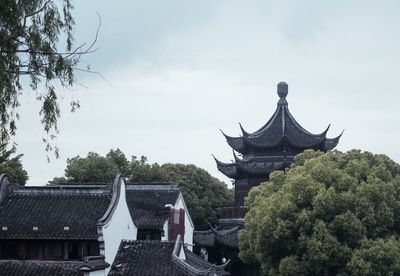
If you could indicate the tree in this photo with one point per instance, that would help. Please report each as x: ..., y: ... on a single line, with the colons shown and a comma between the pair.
x: 203, y: 193
x: 119, y: 159
x: 36, y: 42
x: 142, y: 171
x: 376, y: 257
x: 93, y: 168
x: 12, y: 165
x: 334, y: 213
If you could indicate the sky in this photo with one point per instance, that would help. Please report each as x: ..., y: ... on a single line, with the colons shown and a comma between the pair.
x: 177, y: 71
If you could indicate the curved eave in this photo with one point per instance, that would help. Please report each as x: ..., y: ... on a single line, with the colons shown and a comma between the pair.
x: 204, y: 238
x: 228, y: 169
x: 244, y: 132
x: 235, y: 143
x: 331, y: 143
x: 299, y: 137
x: 290, y: 134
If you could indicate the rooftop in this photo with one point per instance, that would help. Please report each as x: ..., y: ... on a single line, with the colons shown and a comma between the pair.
x: 274, y: 145
x: 27, y: 268
x: 147, y: 202
x: 160, y: 258
x: 225, y: 237
x: 53, y: 212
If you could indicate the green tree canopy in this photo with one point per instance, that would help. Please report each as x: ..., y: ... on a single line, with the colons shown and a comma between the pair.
x: 37, y: 52
x: 12, y: 165
x: 93, y: 168
x: 204, y: 194
x: 334, y: 212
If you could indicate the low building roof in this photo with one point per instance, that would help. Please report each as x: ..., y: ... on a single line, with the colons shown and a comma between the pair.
x: 204, y: 238
x: 34, y: 267
x: 145, y: 258
x: 225, y: 237
x: 55, y: 212
x: 147, y: 202
x: 201, y: 264
x: 160, y: 258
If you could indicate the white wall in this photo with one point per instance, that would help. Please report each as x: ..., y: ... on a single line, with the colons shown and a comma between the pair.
x: 165, y: 228
x: 120, y: 227
x: 189, y: 227
x: 96, y: 273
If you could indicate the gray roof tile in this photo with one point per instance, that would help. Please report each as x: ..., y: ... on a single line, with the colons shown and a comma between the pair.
x: 52, y: 213
x: 146, y: 202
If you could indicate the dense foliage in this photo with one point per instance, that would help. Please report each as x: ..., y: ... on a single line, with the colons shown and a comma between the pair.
x: 203, y: 193
x: 11, y: 165
x: 329, y: 213
x: 36, y: 42
x: 92, y: 168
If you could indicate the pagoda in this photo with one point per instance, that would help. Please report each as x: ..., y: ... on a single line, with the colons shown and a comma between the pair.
x: 272, y: 147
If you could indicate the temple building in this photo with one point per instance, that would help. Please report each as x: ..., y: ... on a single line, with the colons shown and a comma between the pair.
x: 257, y: 154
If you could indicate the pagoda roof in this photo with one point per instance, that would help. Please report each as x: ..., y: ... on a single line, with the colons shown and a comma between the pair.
x: 281, y: 131
x: 240, y: 168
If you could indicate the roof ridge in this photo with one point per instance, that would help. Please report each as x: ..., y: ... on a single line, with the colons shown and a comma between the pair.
x: 153, y: 187
x: 61, y: 193
x: 148, y: 241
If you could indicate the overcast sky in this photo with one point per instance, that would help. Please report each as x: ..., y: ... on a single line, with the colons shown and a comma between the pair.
x: 180, y: 70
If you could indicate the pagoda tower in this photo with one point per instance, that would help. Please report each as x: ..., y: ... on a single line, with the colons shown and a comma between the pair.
x: 272, y: 147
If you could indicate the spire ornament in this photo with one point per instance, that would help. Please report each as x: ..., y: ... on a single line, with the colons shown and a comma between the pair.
x: 282, y: 90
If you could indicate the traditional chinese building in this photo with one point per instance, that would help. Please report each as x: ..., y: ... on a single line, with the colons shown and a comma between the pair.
x: 92, y: 229
x: 257, y: 154
x: 272, y: 147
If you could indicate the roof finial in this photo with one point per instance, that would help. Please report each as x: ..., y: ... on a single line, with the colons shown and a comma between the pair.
x: 282, y: 89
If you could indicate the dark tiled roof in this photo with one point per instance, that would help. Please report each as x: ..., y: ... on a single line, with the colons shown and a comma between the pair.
x: 260, y: 166
x: 35, y: 268
x: 204, y: 238
x: 146, y: 202
x: 281, y: 137
x: 144, y: 258
x: 225, y: 237
x: 160, y: 258
x: 93, y: 263
x: 228, y: 237
x: 195, y: 266
x: 281, y: 129
x: 56, y: 212
x: 198, y: 262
